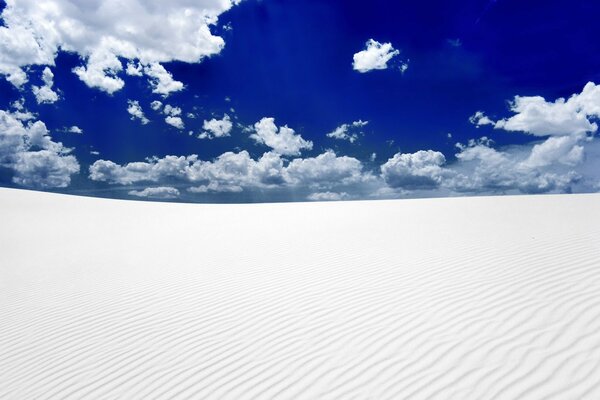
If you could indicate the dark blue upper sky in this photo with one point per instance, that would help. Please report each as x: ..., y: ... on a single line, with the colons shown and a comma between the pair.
x: 292, y: 60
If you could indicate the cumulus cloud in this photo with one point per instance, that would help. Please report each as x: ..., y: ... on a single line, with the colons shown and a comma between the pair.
x: 483, y: 169
x: 536, y: 116
x: 375, y: 56
x: 173, y: 116
x: 161, y: 80
x: 156, y: 105
x: 479, y: 119
x: 75, y: 129
x: 216, y: 128
x: 325, y: 170
x: 176, y: 122
x: 234, y: 172
x: 135, y: 110
x: 348, y: 132
x: 283, y: 140
x: 27, y: 149
x: 420, y: 170
x: 102, y: 33
x: 45, y: 93
x: 161, y: 192
x: 328, y: 196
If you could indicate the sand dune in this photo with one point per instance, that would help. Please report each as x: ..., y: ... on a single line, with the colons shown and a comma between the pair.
x: 471, y: 298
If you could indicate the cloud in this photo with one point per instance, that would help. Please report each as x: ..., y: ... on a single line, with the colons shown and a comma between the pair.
x: 216, y: 187
x: 282, y: 140
x: 479, y: 119
x: 483, y: 169
x: 75, y: 129
x: 161, y: 80
x: 420, y: 170
x: 173, y: 116
x: 176, y: 122
x: 375, y: 56
x: 348, y: 132
x: 156, y: 105
x: 328, y: 196
x: 536, y: 116
x: 102, y: 33
x: 135, y: 110
x: 216, y: 128
x: 234, y: 172
x: 45, y: 94
x: 161, y: 192
x: 325, y: 170
x: 27, y: 149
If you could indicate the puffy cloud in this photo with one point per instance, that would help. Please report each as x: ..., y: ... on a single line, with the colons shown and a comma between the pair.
x: 325, y: 170
x: 420, y: 170
x: 479, y: 119
x: 216, y: 128
x: 177, y: 122
x: 36, y: 160
x: 75, y: 129
x: 536, y: 116
x: 482, y: 169
x: 375, y: 56
x: 282, y: 140
x: 152, y: 170
x: 156, y: 105
x: 161, y: 80
x: 234, y: 172
x: 173, y: 116
x: 135, y: 110
x: 161, y: 192
x: 562, y: 149
x: 347, y: 131
x: 216, y: 187
x: 45, y: 94
x: 328, y: 196
x: 104, y: 31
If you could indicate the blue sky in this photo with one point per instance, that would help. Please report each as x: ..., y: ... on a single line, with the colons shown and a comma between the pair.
x: 273, y: 100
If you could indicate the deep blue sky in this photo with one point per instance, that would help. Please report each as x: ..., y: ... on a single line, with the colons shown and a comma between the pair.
x: 292, y: 60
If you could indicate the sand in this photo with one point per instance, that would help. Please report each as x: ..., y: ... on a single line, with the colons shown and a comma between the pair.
x: 461, y: 298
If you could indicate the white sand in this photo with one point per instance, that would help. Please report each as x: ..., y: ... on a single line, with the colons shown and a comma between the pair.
x: 471, y: 298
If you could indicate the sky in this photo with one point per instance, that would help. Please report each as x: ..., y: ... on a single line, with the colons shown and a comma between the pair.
x: 299, y: 100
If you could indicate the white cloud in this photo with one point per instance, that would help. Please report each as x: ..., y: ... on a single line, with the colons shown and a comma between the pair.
x: 282, y: 140
x: 482, y: 169
x: 233, y: 172
x: 216, y: 187
x: 173, y: 116
x: 419, y: 170
x: 161, y: 80
x: 328, y: 196
x: 36, y: 160
x: 216, y: 128
x: 171, y: 110
x: 479, y: 119
x: 75, y: 129
x: 102, y: 31
x: 536, y: 116
x: 156, y: 105
x: 45, y: 94
x: 177, y: 122
x: 135, y: 110
x: 161, y: 192
x: 348, y: 132
x: 325, y: 170
x: 134, y: 69
x: 375, y: 56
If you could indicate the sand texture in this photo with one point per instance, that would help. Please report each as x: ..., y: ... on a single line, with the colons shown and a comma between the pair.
x: 466, y: 298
